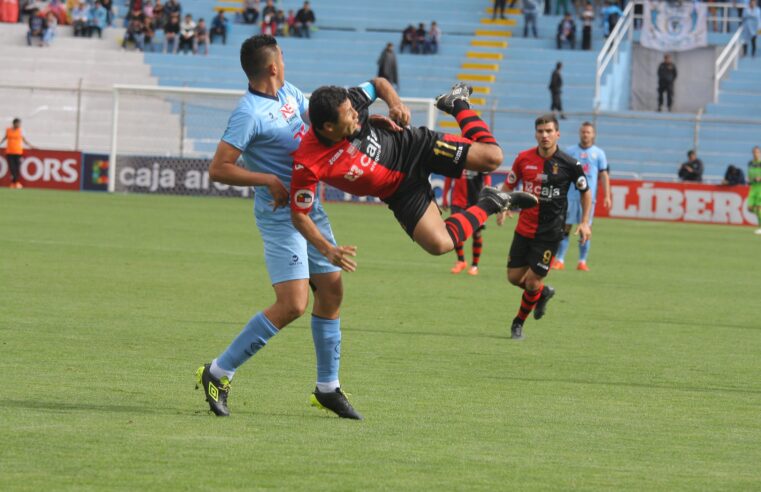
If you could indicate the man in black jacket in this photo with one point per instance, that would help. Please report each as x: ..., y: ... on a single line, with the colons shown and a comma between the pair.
x: 692, y: 170
x: 666, y: 78
x: 556, y: 86
x: 304, y: 20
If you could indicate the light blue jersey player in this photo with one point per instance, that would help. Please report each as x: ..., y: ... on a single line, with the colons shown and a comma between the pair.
x: 595, y: 164
x: 264, y: 129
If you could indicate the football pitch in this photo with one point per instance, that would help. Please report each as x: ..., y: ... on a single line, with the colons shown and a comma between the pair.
x: 645, y: 374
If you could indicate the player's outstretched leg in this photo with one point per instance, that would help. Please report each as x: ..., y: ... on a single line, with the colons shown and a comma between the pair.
x: 528, y: 301
x: 216, y: 390
x: 335, y: 401
x: 547, y: 293
x: 459, y: 92
x: 460, y: 265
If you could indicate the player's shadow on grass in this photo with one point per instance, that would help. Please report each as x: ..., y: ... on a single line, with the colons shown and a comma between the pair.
x: 62, y: 406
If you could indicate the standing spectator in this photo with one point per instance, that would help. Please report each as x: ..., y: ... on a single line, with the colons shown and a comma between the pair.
x: 408, y: 39
x: 304, y: 19
x: 751, y: 20
x: 499, y: 6
x: 219, y: 27
x: 14, y: 150
x: 37, y: 27
x: 587, y: 20
x: 98, y: 19
x: 135, y: 33
x: 566, y: 32
x: 51, y: 25
x: 202, y: 37
x: 387, y: 65
x: 79, y: 19
x: 556, y: 88
x: 159, y: 16
x: 109, y: 6
x: 561, y: 5
x: 741, y: 6
x: 432, y: 39
x: 692, y: 170
x: 251, y: 11
x: 733, y: 176
x: 754, y: 180
x: 281, y: 25
x: 187, y: 35
x: 609, y: 16
x: 172, y: 32
x: 530, y: 9
x: 666, y: 78
x: 420, y: 39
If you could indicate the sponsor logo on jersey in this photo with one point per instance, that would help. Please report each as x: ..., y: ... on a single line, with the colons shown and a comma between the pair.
x: 335, y: 157
x: 532, y: 168
x: 298, y: 167
x: 287, y: 111
x: 354, y: 173
x: 304, y: 198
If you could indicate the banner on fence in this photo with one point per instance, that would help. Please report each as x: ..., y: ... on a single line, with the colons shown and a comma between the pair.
x: 53, y: 169
x: 674, y: 26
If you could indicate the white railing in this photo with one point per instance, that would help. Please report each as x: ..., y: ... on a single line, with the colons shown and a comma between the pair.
x: 727, y: 59
x: 610, y: 48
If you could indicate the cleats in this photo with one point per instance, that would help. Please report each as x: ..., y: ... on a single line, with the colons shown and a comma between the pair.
x: 336, y: 402
x: 557, y: 264
x: 582, y: 266
x: 499, y: 198
x: 522, y: 200
x: 516, y: 330
x: 541, y: 305
x: 458, y: 267
x: 473, y: 270
x: 757, y: 231
x: 461, y: 91
x: 216, y: 390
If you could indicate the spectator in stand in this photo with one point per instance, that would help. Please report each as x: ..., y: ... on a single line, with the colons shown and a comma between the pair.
x: 58, y: 9
x: 556, y: 88
x: 109, y: 6
x: 741, y: 6
x: 566, y: 32
x: 387, y: 65
x: 268, y: 19
x: 291, y: 22
x: 530, y: 9
x: 251, y: 11
x: 135, y: 33
x: 751, y: 20
x: 281, y: 25
x: 159, y: 16
x: 420, y: 39
x: 499, y: 7
x: 666, y: 78
x: 148, y: 11
x: 561, y: 6
x: 187, y: 35
x: 432, y: 39
x: 171, y: 32
x: 51, y: 25
x: 219, y: 27
x: 37, y: 27
x: 587, y: 21
x: 304, y: 19
x: 172, y: 7
x: 14, y: 150
x: 202, y: 37
x: 733, y: 176
x: 98, y: 19
x: 79, y: 20
x: 408, y: 39
x: 609, y: 16
x: 692, y: 170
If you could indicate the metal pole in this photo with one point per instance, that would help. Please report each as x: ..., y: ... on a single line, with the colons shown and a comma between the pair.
x: 79, y: 114
x: 112, y: 156
x: 182, y: 128
x: 696, y: 137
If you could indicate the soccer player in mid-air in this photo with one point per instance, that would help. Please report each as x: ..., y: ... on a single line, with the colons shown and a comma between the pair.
x: 265, y: 128
x: 595, y: 164
x: 394, y: 164
x: 548, y: 173
x: 465, y: 192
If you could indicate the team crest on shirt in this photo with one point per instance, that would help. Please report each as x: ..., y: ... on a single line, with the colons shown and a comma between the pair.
x: 288, y: 110
x: 304, y: 198
x: 511, y: 178
x: 554, y: 168
x: 354, y: 173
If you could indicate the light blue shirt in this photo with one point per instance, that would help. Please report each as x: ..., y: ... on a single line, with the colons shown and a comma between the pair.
x: 751, y: 20
x: 593, y: 160
x: 267, y: 129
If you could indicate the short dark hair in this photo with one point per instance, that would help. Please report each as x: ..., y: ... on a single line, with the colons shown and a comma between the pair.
x: 558, y: 65
x: 546, y: 118
x: 589, y: 124
x: 323, y: 105
x: 691, y: 152
x: 255, y: 54
x: 16, y: 120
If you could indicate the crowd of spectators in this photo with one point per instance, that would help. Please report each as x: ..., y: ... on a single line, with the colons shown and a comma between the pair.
x: 419, y: 41
x: 276, y: 22
x: 86, y: 18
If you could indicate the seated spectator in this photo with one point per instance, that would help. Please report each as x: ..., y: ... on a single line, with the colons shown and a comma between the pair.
x: 187, y: 35
x: 268, y: 18
x: 566, y: 32
x: 202, y: 37
x: 218, y: 28
x: 304, y: 19
x: 148, y: 12
x: 135, y: 33
x: 419, y: 39
x: 291, y: 22
x: 51, y: 25
x: 172, y: 7
x: 734, y: 176
x: 250, y: 11
x: 98, y: 19
x: 408, y: 39
x: 37, y: 27
x: 58, y: 9
x: 692, y: 170
x: 80, y: 18
x: 172, y: 33
x: 281, y: 27
x: 432, y: 39
x: 158, y: 16
x: 609, y: 16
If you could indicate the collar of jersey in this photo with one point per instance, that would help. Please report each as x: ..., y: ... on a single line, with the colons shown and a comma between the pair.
x: 262, y: 94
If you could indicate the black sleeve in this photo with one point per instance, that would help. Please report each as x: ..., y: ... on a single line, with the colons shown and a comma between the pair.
x: 580, y: 179
x: 359, y: 99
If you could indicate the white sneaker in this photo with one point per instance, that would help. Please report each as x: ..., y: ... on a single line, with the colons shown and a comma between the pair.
x: 757, y: 231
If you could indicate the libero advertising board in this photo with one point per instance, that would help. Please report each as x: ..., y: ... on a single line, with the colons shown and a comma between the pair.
x: 53, y: 169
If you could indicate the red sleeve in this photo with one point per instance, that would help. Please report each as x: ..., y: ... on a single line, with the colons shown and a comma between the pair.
x: 515, y: 174
x: 303, y: 188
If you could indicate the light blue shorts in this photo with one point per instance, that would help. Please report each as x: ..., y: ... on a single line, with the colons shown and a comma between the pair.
x: 287, y: 254
x: 573, y: 216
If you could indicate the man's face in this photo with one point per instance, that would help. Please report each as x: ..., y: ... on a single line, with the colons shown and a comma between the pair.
x: 756, y: 154
x: 547, y: 136
x: 348, y: 120
x: 667, y: 59
x: 280, y: 64
x: 16, y: 124
x: 587, y: 136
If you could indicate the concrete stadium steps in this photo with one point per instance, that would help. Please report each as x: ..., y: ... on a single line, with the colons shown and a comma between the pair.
x: 740, y: 92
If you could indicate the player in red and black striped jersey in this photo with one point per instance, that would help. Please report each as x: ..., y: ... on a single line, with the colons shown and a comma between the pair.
x: 465, y: 191
x: 548, y: 173
x: 382, y: 159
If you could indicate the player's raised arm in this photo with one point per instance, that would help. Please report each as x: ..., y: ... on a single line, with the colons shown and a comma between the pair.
x: 397, y: 110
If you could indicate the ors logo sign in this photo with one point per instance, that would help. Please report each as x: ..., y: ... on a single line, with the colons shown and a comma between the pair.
x: 46, y: 169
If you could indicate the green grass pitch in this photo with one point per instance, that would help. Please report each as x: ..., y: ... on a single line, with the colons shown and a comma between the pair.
x: 644, y: 375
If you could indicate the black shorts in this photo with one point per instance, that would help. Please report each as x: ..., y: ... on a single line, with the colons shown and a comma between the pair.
x: 534, y: 253
x: 424, y: 152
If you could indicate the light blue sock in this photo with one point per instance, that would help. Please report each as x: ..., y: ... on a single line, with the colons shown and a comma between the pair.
x: 584, y: 250
x: 248, y: 342
x: 562, y: 249
x: 326, y: 334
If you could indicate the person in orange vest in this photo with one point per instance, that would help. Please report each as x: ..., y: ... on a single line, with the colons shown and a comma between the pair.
x: 14, y: 150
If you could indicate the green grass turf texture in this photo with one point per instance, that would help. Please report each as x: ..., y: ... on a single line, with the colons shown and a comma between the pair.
x: 643, y: 375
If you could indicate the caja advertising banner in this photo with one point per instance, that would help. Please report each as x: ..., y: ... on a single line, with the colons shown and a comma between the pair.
x: 53, y: 169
